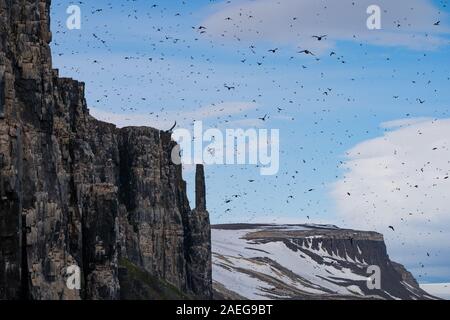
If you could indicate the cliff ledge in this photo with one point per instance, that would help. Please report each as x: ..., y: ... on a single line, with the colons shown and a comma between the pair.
x: 77, y: 191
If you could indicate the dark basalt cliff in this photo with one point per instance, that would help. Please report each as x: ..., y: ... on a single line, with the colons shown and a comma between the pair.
x: 77, y: 191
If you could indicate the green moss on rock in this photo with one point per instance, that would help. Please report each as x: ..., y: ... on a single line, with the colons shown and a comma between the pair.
x: 138, y: 284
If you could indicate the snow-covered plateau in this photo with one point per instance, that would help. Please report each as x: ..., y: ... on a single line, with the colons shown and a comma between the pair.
x: 252, y: 261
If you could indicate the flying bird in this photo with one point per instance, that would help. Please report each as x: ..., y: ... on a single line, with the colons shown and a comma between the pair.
x: 307, y: 52
x: 173, y: 127
x: 229, y: 87
x: 319, y: 38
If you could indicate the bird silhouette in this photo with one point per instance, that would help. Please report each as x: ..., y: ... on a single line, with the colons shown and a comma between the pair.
x: 306, y: 51
x: 173, y: 127
x: 320, y: 38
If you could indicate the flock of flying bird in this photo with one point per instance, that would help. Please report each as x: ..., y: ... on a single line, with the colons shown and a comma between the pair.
x: 165, y: 39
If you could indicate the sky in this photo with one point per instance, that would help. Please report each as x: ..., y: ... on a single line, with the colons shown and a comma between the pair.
x: 364, y: 120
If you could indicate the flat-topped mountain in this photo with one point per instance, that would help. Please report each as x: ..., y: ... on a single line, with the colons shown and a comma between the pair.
x: 263, y: 261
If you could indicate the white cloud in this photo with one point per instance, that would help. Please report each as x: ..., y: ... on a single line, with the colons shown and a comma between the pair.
x: 402, y: 180
x: 404, y: 23
x: 183, y: 118
x: 246, y: 123
x: 395, y: 124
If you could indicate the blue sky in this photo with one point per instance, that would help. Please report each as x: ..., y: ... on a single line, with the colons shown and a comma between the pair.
x: 150, y: 65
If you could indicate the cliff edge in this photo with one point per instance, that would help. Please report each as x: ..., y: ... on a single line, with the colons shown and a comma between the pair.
x: 78, y: 191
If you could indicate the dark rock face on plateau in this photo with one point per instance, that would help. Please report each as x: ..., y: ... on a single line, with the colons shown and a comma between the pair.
x: 77, y: 191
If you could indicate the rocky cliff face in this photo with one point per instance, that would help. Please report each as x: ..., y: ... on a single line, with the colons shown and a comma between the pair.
x: 306, y: 262
x: 77, y: 191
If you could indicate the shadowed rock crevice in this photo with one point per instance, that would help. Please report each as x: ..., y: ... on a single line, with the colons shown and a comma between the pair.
x: 2, y: 94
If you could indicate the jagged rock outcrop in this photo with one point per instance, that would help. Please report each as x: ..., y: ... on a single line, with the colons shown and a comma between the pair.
x: 199, y: 238
x: 77, y: 191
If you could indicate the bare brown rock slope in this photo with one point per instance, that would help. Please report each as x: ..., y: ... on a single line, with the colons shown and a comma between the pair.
x: 74, y: 190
